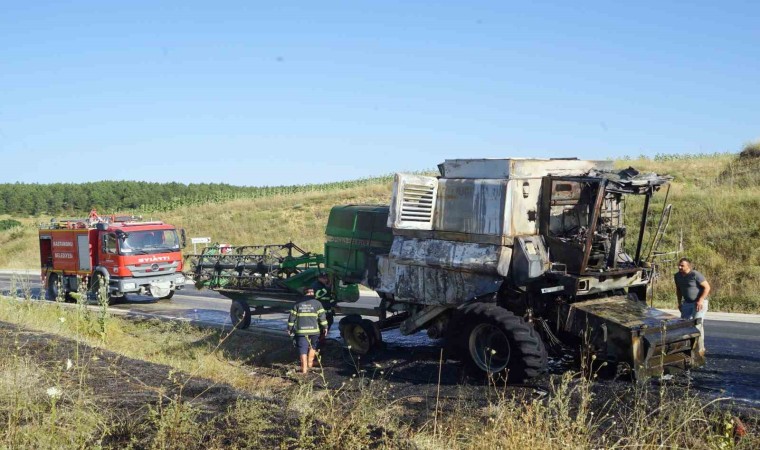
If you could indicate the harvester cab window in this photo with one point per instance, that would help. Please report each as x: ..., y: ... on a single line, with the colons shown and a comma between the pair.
x: 109, y: 243
x: 570, y: 210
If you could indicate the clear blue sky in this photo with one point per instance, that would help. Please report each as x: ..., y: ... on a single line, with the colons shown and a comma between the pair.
x: 265, y: 93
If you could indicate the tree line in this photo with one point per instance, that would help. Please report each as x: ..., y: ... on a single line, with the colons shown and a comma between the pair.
x: 116, y: 196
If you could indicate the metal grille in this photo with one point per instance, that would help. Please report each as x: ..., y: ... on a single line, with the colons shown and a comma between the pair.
x: 417, y: 203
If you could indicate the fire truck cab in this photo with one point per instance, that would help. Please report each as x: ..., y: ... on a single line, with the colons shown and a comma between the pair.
x: 117, y: 255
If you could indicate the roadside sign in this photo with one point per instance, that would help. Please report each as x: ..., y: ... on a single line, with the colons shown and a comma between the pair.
x: 199, y: 240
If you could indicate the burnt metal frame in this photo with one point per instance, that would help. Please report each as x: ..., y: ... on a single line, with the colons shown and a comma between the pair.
x: 546, y: 194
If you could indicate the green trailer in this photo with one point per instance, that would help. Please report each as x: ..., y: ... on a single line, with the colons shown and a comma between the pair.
x: 261, y: 279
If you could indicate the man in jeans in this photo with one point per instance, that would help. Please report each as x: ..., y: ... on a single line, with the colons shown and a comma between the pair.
x: 306, y: 322
x: 692, y: 290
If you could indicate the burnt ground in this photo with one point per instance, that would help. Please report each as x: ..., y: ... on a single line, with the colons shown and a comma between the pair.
x: 126, y: 390
x: 415, y: 378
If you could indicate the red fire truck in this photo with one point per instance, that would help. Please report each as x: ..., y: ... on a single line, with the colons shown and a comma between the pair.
x: 118, y: 252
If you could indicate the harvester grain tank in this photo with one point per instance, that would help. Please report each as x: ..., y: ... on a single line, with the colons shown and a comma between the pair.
x: 116, y: 255
x: 503, y: 257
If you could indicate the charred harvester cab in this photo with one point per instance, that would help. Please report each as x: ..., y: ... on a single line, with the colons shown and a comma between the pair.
x: 117, y: 255
x: 502, y: 257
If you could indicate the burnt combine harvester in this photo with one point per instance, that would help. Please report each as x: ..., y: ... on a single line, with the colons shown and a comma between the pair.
x: 498, y: 256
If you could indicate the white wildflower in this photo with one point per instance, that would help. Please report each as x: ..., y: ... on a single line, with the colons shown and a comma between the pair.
x: 69, y: 364
x: 62, y: 319
x: 54, y: 392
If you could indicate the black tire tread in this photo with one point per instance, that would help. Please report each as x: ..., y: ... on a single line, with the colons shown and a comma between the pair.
x: 530, y: 357
x: 246, y: 322
x: 49, y: 290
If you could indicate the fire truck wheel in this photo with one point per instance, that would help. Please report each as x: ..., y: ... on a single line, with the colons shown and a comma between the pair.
x: 240, y: 314
x: 96, y: 285
x: 359, y: 335
x: 498, y: 341
x: 51, y: 293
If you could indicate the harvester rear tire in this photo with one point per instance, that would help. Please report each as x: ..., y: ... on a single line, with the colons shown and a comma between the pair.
x: 359, y: 335
x: 240, y: 314
x: 497, y: 341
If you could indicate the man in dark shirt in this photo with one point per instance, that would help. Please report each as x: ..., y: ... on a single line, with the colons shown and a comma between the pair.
x: 306, y: 322
x: 692, y: 290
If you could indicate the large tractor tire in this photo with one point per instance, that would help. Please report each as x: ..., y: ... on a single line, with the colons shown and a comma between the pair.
x: 362, y: 336
x: 240, y: 314
x: 497, y: 341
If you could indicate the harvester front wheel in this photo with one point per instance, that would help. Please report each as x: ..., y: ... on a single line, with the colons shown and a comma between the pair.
x: 240, y: 314
x: 360, y: 335
x: 499, y: 341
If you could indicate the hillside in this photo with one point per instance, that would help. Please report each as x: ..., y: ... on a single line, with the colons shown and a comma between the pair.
x: 714, y: 219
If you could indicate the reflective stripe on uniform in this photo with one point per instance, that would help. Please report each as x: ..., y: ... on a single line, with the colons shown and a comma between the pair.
x: 308, y: 331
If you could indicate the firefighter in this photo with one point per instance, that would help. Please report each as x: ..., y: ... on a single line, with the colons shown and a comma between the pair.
x: 307, y: 322
x: 322, y: 287
x: 323, y: 292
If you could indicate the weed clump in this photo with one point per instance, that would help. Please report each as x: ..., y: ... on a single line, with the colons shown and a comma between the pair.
x: 744, y: 170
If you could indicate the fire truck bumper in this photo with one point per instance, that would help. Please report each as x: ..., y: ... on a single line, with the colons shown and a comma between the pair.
x: 155, y: 286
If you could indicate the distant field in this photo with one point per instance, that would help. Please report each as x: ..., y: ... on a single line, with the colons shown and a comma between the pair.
x: 716, y: 221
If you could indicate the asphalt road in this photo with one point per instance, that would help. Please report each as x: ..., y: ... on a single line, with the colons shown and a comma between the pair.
x: 733, y: 340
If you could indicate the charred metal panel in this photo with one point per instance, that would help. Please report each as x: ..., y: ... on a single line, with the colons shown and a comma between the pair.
x: 505, y: 261
x: 459, y: 256
x: 597, y: 285
x: 434, y: 286
x: 530, y: 260
x: 386, y: 270
x: 518, y: 167
x: 455, y: 236
x: 471, y: 206
x: 522, y: 207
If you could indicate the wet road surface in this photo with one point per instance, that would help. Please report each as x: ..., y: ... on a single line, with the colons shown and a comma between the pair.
x: 732, y: 368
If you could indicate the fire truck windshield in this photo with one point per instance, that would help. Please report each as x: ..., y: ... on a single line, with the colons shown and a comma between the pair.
x: 148, y: 242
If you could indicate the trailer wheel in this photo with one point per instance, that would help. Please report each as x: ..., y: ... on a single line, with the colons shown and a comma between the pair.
x: 497, y: 340
x: 240, y: 314
x: 360, y: 335
x: 51, y: 293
